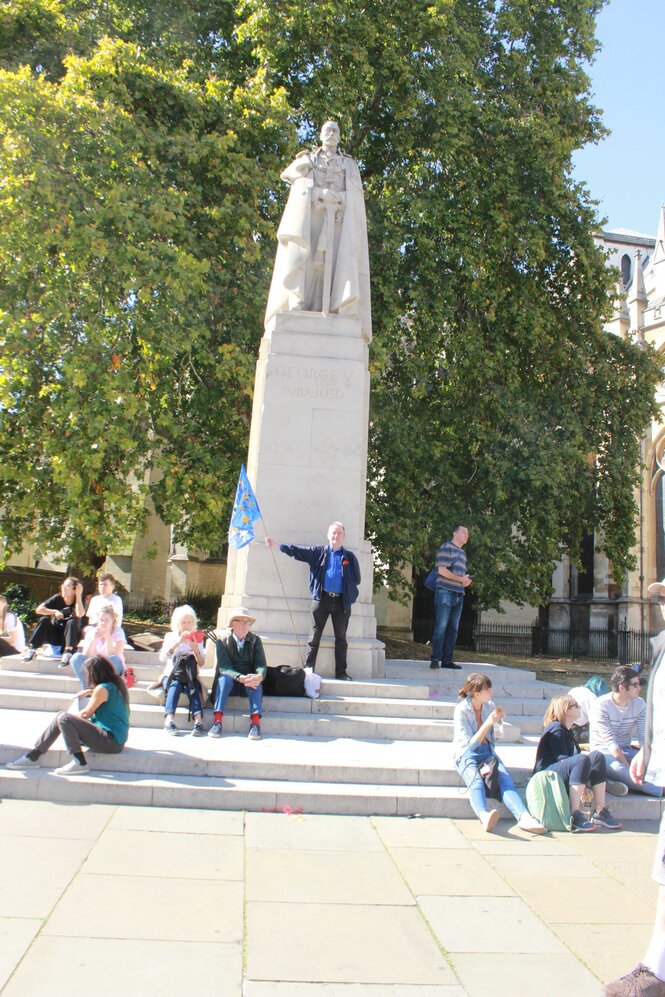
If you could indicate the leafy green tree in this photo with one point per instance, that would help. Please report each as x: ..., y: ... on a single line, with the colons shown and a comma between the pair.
x: 134, y: 201
x: 142, y: 145
x: 497, y: 399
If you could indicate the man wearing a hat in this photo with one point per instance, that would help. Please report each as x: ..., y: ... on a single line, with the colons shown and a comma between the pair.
x: 334, y: 577
x: 648, y: 977
x: 241, y: 669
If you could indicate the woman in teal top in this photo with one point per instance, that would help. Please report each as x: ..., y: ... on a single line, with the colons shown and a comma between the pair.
x: 102, y: 725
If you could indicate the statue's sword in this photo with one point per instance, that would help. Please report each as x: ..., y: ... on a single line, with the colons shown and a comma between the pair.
x: 331, y: 208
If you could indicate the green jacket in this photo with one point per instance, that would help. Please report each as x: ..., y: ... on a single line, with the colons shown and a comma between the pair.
x: 231, y: 661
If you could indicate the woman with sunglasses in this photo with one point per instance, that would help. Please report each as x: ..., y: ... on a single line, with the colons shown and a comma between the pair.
x: 558, y: 751
x: 617, y: 720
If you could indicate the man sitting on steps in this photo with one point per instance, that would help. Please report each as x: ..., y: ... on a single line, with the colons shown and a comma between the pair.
x: 241, y: 669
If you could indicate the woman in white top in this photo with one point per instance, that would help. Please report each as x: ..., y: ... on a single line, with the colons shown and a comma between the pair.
x: 12, y: 639
x: 107, y: 639
x: 182, y: 654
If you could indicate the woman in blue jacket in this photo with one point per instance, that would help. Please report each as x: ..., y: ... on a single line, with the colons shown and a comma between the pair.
x: 473, y: 748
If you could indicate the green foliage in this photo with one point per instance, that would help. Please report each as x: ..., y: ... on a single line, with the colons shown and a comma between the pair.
x: 21, y: 602
x: 141, y: 144
x: 134, y: 202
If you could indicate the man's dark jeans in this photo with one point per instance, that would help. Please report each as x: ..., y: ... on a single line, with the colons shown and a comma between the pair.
x: 327, y: 606
x: 448, y: 611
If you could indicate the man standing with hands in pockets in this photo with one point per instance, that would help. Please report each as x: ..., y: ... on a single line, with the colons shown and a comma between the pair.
x: 449, y: 597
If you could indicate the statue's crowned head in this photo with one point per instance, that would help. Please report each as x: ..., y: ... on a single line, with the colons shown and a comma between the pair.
x: 330, y: 135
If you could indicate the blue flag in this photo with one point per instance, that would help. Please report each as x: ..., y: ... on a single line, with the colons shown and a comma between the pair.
x: 245, y: 513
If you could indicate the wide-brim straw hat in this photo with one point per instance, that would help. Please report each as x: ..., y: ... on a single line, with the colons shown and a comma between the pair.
x: 657, y: 588
x: 241, y: 614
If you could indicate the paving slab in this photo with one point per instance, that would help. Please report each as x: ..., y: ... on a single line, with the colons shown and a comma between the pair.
x: 178, y: 821
x: 16, y: 935
x: 449, y: 872
x: 311, y: 831
x: 609, y: 950
x: 488, y: 925
x: 501, y: 975
x: 149, y: 908
x: 334, y: 878
x: 34, y: 872
x: 405, y: 832
x: 41, y: 819
x: 165, y: 853
x: 258, y: 988
x: 517, y: 868
x: 107, y: 967
x: 343, y: 943
x: 515, y: 842
x: 596, y: 900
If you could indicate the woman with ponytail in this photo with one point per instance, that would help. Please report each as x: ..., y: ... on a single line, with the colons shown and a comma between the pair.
x: 473, y: 751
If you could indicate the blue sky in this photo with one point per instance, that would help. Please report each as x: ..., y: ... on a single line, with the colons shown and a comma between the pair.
x: 626, y: 171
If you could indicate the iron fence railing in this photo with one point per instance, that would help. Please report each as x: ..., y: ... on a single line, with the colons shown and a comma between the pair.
x: 595, y: 644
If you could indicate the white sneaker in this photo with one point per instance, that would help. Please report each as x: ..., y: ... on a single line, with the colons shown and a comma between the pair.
x: 72, y: 768
x: 617, y: 788
x: 23, y: 763
x: 529, y: 823
x: 488, y: 819
x: 29, y: 654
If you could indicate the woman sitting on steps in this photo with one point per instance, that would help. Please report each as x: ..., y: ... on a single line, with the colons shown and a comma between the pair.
x: 473, y: 748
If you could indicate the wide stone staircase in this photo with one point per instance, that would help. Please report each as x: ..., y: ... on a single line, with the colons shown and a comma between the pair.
x: 368, y: 747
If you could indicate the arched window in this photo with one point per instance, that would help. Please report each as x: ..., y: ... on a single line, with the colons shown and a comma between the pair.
x: 658, y: 489
x: 625, y: 269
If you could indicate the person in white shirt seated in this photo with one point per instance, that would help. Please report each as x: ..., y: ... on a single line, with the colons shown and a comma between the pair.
x: 105, y: 639
x: 617, y: 720
x: 182, y: 655
x: 106, y: 597
x: 585, y: 696
x: 12, y: 635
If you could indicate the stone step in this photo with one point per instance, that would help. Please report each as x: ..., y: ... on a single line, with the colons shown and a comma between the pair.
x: 403, y: 669
x: 274, y: 722
x: 319, y: 759
x: 226, y: 793
x: 64, y: 682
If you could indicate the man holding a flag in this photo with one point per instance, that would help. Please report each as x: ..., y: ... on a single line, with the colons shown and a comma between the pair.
x: 334, y: 577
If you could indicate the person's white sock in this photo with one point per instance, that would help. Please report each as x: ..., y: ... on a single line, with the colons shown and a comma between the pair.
x: 655, y: 957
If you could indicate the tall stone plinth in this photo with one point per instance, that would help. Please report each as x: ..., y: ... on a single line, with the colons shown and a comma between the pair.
x: 307, y: 463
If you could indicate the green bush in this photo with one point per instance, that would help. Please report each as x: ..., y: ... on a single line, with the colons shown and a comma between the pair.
x: 21, y: 602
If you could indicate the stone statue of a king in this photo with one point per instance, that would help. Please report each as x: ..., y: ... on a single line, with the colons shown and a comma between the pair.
x: 322, y: 262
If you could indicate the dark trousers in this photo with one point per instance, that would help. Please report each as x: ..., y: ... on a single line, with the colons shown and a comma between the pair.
x: 60, y: 633
x: 76, y: 732
x: 321, y: 610
x: 582, y: 770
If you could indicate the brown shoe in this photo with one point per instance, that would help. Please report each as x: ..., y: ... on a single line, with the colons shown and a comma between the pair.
x: 640, y: 983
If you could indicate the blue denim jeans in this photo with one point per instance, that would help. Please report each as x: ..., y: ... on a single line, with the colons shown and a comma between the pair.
x: 173, y: 694
x: 77, y: 662
x: 227, y: 685
x: 448, y: 611
x: 467, y: 767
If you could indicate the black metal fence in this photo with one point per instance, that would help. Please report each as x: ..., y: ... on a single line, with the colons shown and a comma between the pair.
x: 594, y: 644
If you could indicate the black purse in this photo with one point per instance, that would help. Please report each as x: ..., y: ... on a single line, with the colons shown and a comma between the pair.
x: 489, y: 773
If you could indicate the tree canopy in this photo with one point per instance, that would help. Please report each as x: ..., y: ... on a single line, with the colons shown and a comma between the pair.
x: 142, y: 145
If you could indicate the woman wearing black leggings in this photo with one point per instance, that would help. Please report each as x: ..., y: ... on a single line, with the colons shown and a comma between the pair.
x: 558, y: 751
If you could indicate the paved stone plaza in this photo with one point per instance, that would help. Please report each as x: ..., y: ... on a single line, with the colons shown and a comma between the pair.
x: 140, y: 901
